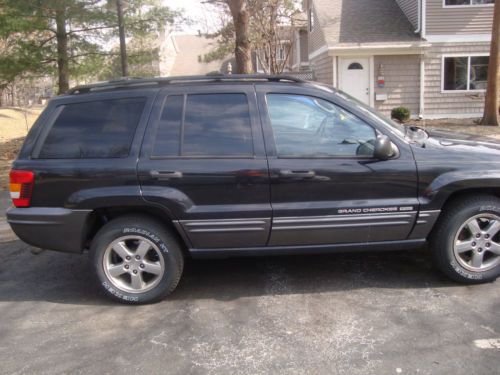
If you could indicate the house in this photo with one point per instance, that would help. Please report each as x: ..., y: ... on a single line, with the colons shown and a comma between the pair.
x: 430, y: 56
x: 182, y: 55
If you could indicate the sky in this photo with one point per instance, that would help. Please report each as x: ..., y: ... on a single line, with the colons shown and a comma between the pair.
x: 202, y: 15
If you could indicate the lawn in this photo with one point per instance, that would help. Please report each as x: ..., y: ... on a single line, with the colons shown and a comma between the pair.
x: 14, y: 125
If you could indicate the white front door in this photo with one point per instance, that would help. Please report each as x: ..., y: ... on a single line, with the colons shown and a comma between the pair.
x: 355, y: 78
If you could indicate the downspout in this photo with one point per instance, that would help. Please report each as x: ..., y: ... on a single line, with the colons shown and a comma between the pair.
x: 422, y: 88
x: 424, y: 19
x: 422, y: 9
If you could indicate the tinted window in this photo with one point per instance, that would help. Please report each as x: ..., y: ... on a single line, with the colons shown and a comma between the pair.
x: 217, y: 125
x: 100, y: 129
x: 304, y: 126
x: 167, y: 140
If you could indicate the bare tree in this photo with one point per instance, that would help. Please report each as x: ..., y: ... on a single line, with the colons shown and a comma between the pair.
x: 492, y: 100
x: 261, y: 26
x: 272, y: 32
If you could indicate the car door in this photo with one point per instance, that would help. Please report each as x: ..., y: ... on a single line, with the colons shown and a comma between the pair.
x: 326, y: 186
x: 203, y: 160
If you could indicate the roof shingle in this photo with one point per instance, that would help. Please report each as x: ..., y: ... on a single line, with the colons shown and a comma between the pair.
x: 347, y: 22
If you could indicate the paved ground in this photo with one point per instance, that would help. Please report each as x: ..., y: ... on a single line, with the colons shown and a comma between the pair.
x: 385, y: 313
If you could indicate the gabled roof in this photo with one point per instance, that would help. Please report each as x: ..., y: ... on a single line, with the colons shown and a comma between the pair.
x: 348, y: 22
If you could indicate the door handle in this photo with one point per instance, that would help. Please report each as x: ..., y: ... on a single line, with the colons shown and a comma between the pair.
x: 297, y: 174
x: 165, y: 175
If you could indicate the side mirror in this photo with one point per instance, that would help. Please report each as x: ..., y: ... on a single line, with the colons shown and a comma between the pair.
x: 383, y: 148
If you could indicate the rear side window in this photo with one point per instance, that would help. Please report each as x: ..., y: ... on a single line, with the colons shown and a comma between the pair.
x: 167, y: 140
x: 215, y: 125
x: 100, y: 129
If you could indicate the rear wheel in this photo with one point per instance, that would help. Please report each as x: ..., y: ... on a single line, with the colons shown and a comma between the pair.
x: 136, y: 260
x: 466, y: 242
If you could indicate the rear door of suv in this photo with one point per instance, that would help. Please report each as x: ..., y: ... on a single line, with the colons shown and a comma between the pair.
x: 326, y: 186
x: 203, y: 160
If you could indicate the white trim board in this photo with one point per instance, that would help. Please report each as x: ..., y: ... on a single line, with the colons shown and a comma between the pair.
x: 318, y: 52
x: 372, y: 49
x: 371, y: 86
x: 451, y: 38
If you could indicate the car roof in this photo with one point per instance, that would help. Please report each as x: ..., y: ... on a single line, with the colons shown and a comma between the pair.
x: 135, y: 82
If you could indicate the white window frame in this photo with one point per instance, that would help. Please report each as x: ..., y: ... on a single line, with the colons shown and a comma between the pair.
x: 467, y: 5
x: 468, y: 55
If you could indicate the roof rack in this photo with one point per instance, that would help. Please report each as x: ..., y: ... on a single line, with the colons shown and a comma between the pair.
x: 160, y: 81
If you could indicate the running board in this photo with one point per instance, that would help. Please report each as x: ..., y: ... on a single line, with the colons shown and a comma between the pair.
x: 309, y: 249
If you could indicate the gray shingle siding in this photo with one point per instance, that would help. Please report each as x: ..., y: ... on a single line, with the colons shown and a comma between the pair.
x: 316, y: 36
x: 461, y: 20
x: 322, y: 66
x: 402, y: 82
x: 450, y: 103
x: 410, y: 9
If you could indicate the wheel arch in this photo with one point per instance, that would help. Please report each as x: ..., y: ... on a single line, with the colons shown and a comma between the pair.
x: 448, y: 186
x: 102, y: 215
x: 464, y: 193
x: 459, y: 195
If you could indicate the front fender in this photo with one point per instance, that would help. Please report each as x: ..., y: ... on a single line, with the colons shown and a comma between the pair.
x: 446, y: 184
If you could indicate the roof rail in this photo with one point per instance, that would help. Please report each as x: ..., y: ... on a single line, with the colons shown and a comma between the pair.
x: 160, y: 81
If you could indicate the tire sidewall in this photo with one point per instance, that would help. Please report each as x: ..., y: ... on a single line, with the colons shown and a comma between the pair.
x: 107, y: 236
x: 452, y: 228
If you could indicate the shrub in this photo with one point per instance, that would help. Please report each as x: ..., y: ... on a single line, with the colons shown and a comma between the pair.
x: 401, y: 114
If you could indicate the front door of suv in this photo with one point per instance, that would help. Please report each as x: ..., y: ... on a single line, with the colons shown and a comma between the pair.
x: 326, y: 186
x: 203, y: 160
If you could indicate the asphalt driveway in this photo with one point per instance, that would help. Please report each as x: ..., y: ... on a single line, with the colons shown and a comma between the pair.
x: 385, y: 313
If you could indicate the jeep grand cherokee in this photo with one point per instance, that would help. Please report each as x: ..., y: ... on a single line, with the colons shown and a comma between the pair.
x: 145, y: 172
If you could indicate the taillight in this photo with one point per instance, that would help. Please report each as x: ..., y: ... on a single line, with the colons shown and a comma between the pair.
x: 21, y: 187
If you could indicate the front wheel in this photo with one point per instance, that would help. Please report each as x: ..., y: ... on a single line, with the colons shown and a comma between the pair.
x: 466, y: 241
x: 136, y: 260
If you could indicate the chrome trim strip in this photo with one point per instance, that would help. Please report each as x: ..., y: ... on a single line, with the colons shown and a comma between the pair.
x: 222, y: 222
x: 226, y: 225
x: 208, y: 230
x: 355, y: 225
x: 425, y: 216
x: 326, y: 218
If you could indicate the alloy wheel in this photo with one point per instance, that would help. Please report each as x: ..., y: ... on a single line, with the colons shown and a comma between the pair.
x: 133, y: 264
x: 477, y: 243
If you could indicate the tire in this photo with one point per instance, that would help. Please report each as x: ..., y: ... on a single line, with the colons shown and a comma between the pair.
x: 136, y: 260
x: 466, y: 240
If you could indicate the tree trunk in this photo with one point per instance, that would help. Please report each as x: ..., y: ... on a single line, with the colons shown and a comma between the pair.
x: 123, y: 46
x: 62, y: 52
x: 492, y: 99
x: 242, y: 48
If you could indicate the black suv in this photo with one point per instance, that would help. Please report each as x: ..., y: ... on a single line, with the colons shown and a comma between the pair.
x: 146, y: 172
